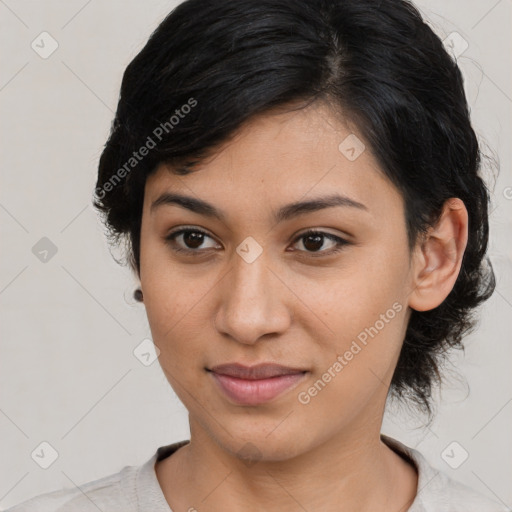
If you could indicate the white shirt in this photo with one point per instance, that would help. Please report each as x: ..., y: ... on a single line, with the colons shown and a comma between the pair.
x: 136, y: 489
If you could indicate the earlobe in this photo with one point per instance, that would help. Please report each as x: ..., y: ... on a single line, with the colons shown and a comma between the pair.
x: 138, y: 295
x: 438, y: 257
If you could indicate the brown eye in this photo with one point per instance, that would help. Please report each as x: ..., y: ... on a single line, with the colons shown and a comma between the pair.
x: 191, y: 240
x: 313, y: 241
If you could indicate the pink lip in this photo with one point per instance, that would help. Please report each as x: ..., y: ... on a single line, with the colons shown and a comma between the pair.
x: 257, y: 384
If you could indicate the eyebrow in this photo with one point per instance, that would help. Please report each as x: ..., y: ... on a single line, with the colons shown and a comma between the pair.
x: 284, y: 213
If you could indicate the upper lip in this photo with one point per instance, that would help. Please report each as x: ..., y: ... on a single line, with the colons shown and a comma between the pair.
x: 259, y: 371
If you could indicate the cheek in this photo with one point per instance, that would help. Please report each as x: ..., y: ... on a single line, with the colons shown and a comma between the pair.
x: 353, y: 297
x: 362, y: 309
x: 173, y: 308
x: 358, y: 361
x: 175, y: 298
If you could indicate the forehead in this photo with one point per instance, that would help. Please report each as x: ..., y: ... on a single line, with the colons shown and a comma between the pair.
x: 281, y: 157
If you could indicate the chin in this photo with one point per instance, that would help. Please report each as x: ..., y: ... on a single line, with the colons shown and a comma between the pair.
x: 262, y: 441
x: 259, y: 449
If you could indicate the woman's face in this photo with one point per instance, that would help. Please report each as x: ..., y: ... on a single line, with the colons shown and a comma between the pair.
x: 253, y: 289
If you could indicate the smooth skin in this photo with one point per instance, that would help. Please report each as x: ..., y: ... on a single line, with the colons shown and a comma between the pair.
x: 297, y: 304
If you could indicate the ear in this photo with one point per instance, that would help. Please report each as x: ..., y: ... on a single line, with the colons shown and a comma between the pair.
x: 438, y: 257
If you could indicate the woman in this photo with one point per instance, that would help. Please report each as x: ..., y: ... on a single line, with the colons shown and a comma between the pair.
x: 298, y: 183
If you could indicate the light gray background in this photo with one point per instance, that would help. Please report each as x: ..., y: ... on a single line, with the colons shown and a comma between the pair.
x: 68, y: 375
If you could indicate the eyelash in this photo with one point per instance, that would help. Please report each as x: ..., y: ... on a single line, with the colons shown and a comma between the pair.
x: 340, y: 242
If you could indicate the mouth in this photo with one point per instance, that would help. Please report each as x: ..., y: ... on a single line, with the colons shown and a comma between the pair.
x: 254, y: 385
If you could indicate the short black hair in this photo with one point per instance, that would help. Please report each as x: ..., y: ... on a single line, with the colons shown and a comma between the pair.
x: 211, y: 65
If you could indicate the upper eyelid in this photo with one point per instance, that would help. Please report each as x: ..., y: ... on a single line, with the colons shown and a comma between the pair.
x: 181, y: 230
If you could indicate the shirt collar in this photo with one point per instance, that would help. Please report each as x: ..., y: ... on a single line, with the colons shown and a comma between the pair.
x: 150, y: 495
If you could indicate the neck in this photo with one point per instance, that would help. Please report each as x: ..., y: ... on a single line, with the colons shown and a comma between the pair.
x: 351, y: 472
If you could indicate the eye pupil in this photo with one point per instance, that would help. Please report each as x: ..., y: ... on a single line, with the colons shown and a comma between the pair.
x: 317, y: 244
x: 193, y: 239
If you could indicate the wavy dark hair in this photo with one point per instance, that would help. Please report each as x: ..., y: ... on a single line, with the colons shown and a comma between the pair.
x: 213, y: 64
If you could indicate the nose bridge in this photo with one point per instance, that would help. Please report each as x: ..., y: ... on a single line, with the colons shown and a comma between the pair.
x: 250, y: 278
x: 250, y: 300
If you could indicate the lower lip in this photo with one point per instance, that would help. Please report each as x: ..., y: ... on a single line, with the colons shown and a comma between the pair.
x: 254, y: 392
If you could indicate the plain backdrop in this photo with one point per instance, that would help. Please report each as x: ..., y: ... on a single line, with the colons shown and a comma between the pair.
x: 69, y: 325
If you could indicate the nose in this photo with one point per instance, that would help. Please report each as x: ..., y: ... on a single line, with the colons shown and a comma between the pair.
x: 253, y: 301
